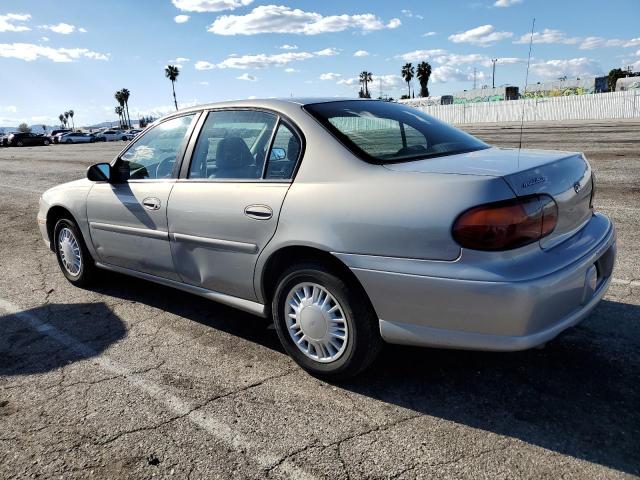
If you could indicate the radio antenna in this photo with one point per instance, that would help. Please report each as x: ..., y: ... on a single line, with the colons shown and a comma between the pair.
x: 524, y: 94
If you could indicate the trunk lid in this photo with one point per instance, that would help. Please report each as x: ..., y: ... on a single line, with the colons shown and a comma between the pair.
x: 565, y: 176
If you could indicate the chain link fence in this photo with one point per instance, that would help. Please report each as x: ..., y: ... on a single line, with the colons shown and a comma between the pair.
x: 599, y: 106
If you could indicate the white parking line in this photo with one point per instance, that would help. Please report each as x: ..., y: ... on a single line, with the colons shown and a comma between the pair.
x: 217, y: 429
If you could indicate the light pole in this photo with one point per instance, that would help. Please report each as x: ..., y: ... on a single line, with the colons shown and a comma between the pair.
x: 493, y: 76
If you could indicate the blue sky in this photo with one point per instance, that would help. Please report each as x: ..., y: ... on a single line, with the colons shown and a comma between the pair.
x: 56, y: 56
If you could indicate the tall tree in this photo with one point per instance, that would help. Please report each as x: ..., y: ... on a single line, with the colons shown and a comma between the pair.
x: 125, y: 97
x: 24, y: 128
x: 119, y: 111
x: 613, y: 77
x: 172, y: 72
x: 61, y: 118
x: 120, y: 99
x: 71, y: 114
x: 66, y: 118
x: 423, y: 73
x: 407, y: 74
x: 365, y: 78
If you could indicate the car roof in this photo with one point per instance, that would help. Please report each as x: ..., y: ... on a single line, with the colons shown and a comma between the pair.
x: 269, y: 103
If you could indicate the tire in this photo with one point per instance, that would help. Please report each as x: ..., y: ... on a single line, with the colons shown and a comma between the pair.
x: 19, y: 143
x: 86, y: 270
x: 357, y: 322
x: 46, y: 143
x: 69, y: 141
x: 124, y: 139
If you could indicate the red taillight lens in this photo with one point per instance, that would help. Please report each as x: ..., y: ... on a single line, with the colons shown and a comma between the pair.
x: 506, y: 225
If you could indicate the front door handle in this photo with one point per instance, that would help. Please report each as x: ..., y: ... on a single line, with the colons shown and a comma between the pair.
x: 151, y: 203
x: 258, y: 212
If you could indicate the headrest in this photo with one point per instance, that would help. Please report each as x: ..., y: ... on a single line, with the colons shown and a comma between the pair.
x: 232, y: 152
x: 293, y: 149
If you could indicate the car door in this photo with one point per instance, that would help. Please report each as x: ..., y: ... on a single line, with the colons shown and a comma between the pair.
x: 128, y: 215
x: 224, y: 208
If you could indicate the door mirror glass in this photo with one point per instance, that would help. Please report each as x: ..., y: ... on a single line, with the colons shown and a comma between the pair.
x: 100, y: 172
x: 278, y: 154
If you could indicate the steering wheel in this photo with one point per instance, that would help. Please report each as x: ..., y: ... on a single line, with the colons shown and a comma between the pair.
x: 165, y: 167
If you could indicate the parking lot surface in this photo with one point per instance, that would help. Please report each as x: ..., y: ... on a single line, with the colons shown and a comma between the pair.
x: 129, y: 379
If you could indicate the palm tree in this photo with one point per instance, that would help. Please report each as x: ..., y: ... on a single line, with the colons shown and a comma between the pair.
x: 125, y: 97
x: 119, y: 111
x: 172, y: 72
x: 61, y: 118
x: 407, y: 73
x: 365, y: 78
x: 120, y: 99
x: 71, y: 113
x: 423, y: 74
x: 66, y: 118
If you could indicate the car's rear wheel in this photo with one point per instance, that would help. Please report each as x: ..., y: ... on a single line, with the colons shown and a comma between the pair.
x: 73, y: 257
x: 46, y: 143
x: 69, y: 141
x: 325, y: 323
x: 20, y: 143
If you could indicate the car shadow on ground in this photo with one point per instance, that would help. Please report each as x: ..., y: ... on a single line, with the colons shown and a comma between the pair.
x: 46, y: 338
x: 579, y: 396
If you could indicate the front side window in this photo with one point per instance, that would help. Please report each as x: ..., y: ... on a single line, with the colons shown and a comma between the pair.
x: 384, y: 132
x: 155, y: 154
x: 233, y: 144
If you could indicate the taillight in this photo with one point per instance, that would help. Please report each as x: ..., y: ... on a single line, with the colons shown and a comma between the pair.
x: 506, y: 225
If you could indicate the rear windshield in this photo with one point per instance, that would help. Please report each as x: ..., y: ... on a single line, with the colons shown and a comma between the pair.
x: 385, y: 132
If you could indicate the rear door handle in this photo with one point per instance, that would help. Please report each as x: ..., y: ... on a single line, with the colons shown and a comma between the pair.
x: 258, y: 212
x: 151, y: 203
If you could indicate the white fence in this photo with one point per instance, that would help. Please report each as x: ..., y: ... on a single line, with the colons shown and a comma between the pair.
x: 598, y: 106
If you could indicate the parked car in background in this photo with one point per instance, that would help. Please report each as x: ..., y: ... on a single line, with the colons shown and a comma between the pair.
x: 55, y: 134
x: 4, y: 139
x: 113, y: 135
x: 131, y: 134
x: 349, y: 222
x: 77, y: 137
x: 20, y: 139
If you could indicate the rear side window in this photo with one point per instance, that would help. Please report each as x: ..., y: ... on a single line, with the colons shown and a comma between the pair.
x: 284, y: 154
x: 385, y: 132
x: 232, y: 145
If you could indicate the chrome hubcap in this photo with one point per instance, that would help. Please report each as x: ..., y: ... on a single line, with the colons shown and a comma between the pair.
x: 316, y: 322
x: 69, y: 251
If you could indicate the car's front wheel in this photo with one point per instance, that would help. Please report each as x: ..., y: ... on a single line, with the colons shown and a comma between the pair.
x: 46, y: 143
x: 20, y: 143
x: 325, y: 323
x: 73, y: 257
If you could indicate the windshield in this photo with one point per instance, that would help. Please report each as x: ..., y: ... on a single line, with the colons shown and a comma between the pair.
x: 385, y: 132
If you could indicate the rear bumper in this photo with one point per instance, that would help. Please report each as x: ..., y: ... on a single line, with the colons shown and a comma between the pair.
x: 502, y: 315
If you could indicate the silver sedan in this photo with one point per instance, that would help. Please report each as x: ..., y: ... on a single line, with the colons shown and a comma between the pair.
x: 349, y: 222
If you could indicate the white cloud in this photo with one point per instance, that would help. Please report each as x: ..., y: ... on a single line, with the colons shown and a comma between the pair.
x: 282, y: 19
x: 379, y: 81
x: 45, y: 39
x: 204, y: 84
x: 548, y: 35
x: 247, y: 77
x: 204, y: 65
x: 361, y: 53
x: 262, y: 60
x: 574, y: 67
x: 209, y: 5
x: 291, y: 70
x: 506, y: 3
x: 446, y: 73
x: 330, y: 76
x: 429, y: 34
x: 289, y: 47
x: 410, y: 14
x: 589, y: 43
x: 328, y: 52
x: 29, y: 52
x: 11, y: 109
x: 444, y: 57
x: 61, y: 28
x: 484, y: 35
x: 181, y: 18
x: 82, y: 30
x: 178, y: 60
x: 8, y: 22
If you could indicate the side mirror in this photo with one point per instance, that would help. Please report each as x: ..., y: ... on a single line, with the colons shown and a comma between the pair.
x: 100, y: 172
x: 278, y: 154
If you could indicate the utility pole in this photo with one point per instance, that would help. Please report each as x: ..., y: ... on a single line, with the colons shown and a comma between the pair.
x: 475, y: 70
x: 493, y: 76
